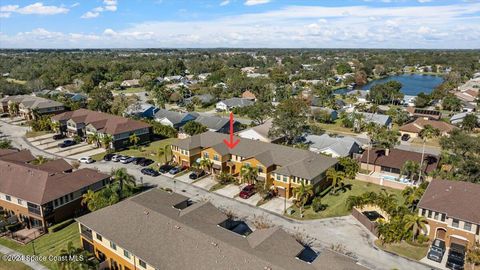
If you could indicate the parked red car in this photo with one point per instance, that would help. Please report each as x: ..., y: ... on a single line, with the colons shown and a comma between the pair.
x: 247, y: 192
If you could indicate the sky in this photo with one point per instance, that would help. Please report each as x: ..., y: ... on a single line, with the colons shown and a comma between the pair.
x: 440, y: 24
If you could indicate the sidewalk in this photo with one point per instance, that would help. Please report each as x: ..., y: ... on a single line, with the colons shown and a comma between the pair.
x: 34, y: 265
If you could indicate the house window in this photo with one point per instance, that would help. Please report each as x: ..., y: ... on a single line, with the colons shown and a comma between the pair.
x: 284, y: 179
x: 478, y: 229
x: 278, y: 177
x: 99, y: 237
x: 467, y: 226
x: 126, y: 254
x: 142, y: 263
x: 436, y: 215
x: 113, y: 246
x: 19, y: 201
x: 205, y: 155
x: 429, y: 213
x: 443, y: 218
x: 8, y: 198
x: 215, y: 157
x: 260, y: 169
x: 455, y: 223
x: 424, y: 212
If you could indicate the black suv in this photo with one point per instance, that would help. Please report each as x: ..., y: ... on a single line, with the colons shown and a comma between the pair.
x: 146, y: 162
x: 456, y: 257
x: 150, y: 172
x: 196, y: 174
x: 108, y: 157
x: 165, y: 168
x: 437, y: 250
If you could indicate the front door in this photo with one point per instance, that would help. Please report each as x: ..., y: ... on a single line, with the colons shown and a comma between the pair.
x: 281, y: 192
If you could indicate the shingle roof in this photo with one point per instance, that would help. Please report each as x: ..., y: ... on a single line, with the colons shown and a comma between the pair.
x: 397, y: 157
x: 420, y: 123
x: 212, y: 122
x: 380, y: 119
x: 173, y: 117
x: 456, y: 199
x: 168, y: 238
x: 340, y: 145
x: 303, y: 163
x: 107, y: 123
x: 43, y: 183
x: 33, y: 102
x: 17, y: 156
x: 237, y: 102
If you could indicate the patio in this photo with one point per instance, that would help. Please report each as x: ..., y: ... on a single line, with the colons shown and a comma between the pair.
x: 26, y: 235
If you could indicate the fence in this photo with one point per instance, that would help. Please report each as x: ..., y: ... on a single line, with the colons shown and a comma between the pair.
x: 371, y: 226
x: 379, y: 181
x: 24, y: 236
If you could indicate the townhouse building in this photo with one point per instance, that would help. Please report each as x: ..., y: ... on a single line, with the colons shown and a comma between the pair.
x: 279, y: 167
x: 30, y: 106
x: 452, y: 211
x: 42, y: 195
x: 83, y: 122
x: 161, y: 230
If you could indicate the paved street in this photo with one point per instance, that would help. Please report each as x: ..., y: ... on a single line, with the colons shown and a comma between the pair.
x: 345, y: 232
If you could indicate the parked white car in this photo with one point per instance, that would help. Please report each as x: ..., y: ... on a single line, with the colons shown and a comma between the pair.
x: 86, y: 160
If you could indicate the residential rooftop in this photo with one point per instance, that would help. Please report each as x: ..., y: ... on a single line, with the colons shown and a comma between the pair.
x: 32, y: 102
x: 293, y: 161
x: 457, y: 199
x: 397, y: 157
x: 103, y: 122
x: 150, y: 227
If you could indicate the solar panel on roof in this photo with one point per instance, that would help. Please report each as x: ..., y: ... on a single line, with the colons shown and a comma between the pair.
x: 429, y: 112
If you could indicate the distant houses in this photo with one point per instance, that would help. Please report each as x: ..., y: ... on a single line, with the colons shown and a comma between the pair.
x: 141, y: 110
x: 414, y: 128
x: 424, y: 113
x: 231, y: 103
x: 204, y: 99
x: 260, y: 133
x: 217, y: 123
x: 379, y: 119
x: 130, y: 83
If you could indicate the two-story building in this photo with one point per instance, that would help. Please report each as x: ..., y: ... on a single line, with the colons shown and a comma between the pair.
x: 42, y: 195
x: 28, y: 107
x: 161, y: 230
x: 452, y: 209
x: 83, y: 122
x: 279, y: 167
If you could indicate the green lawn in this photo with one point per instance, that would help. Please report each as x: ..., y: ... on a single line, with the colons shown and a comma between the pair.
x: 334, y: 127
x: 336, y: 205
x: 31, y: 134
x: 148, y: 151
x: 404, y: 249
x: 129, y: 90
x: 48, y: 244
x: 4, y: 265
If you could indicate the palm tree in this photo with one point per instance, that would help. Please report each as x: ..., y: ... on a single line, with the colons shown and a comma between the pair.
x: 206, y: 164
x: 386, y: 201
x: 74, y: 252
x: 134, y: 139
x: 106, y: 140
x: 303, y: 194
x: 416, y: 224
x: 124, y: 179
x: 90, y: 200
x: 354, y: 201
x: 428, y: 132
x: 163, y: 152
x: 248, y: 173
x: 94, y: 138
x: 410, y: 169
x: 336, y: 176
x: 39, y: 160
x: 55, y: 126
x: 13, y: 108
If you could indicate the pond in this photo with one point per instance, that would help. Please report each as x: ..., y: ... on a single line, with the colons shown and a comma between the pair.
x: 412, y: 84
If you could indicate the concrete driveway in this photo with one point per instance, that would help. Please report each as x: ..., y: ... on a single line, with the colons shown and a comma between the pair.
x: 442, y: 265
x: 229, y: 191
x: 206, y: 183
x: 253, y: 200
x: 277, y: 205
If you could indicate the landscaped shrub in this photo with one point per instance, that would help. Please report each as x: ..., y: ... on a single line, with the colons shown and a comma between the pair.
x: 61, y: 225
x: 317, y: 205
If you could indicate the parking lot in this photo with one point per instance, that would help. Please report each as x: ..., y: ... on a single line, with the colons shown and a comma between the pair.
x: 48, y: 144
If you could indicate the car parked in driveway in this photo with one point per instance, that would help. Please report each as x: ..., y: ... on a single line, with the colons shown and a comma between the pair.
x: 456, y: 257
x: 126, y: 159
x: 146, y: 162
x: 58, y: 136
x: 196, y: 174
x: 138, y: 160
x: 108, y: 157
x: 175, y: 170
x: 66, y: 143
x: 86, y: 160
x: 247, y: 192
x: 436, y: 250
x: 149, y: 172
x: 116, y: 158
x: 165, y: 168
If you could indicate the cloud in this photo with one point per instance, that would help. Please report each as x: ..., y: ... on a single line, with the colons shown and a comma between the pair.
x: 36, y: 8
x: 109, y: 5
x: 440, y: 26
x: 5, y: 15
x: 75, y: 5
x: 225, y: 2
x: 255, y: 2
